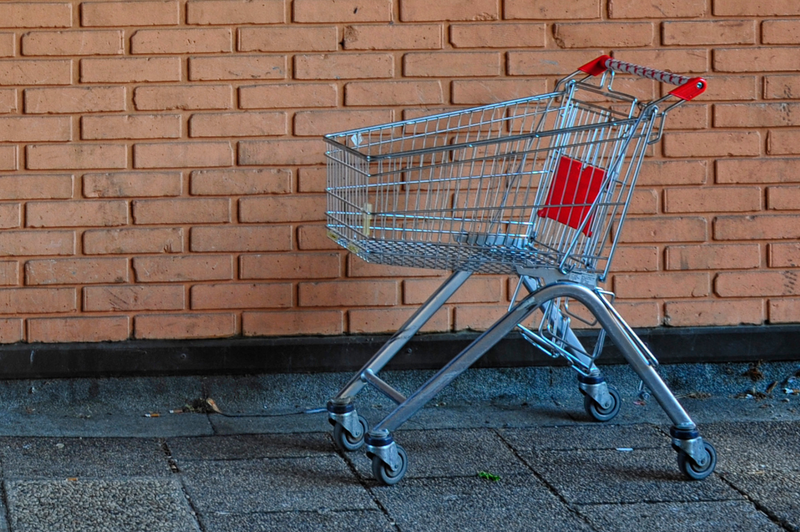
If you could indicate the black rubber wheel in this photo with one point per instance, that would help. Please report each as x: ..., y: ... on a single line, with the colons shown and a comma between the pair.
x: 383, y: 473
x: 599, y: 413
x: 346, y: 441
x: 694, y: 471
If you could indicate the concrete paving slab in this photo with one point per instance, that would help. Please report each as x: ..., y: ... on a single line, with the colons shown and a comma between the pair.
x: 82, y: 457
x: 722, y: 516
x: 274, y: 485
x: 119, y: 425
x: 514, y: 503
x: 291, y: 422
x: 585, y: 436
x: 597, y: 477
x: 748, y: 446
x: 90, y: 505
x: 774, y: 492
x: 251, y: 446
x: 372, y: 520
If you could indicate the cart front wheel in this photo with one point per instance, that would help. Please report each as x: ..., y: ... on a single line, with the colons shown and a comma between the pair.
x: 384, y: 474
x: 692, y: 469
x: 346, y: 441
x: 597, y: 412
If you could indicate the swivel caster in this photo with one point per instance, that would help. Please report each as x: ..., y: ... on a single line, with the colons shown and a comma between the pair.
x: 383, y: 472
x: 350, y: 441
x: 611, y: 402
x: 389, y: 460
x: 695, y: 470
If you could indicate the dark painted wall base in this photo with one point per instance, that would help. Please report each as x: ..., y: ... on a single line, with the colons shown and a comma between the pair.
x: 349, y: 353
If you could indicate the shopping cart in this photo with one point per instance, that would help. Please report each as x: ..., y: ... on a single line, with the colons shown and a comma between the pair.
x: 538, y: 187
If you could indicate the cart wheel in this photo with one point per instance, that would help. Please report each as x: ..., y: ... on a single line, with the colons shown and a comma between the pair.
x: 599, y: 413
x: 346, y: 441
x: 690, y: 468
x: 383, y: 473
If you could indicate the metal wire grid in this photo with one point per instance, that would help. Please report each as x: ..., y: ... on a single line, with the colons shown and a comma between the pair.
x: 464, y: 190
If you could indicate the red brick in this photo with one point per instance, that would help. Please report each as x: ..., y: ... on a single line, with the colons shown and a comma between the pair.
x: 475, y: 290
x: 30, y: 243
x: 244, y: 67
x: 60, y: 330
x: 477, y: 317
x: 35, y: 128
x: 290, y: 266
x: 302, y: 208
x: 656, y: 9
x: 485, y: 35
x: 708, y: 32
x: 235, y: 182
x: 124, y: 241
x: 36, y: 15
x: 688, y: 117
x: 182, y: 211
x: 76, y: 271
x: 10, y: 330
x: 388, y: 320
x: 756, y: 114
x: 75, y: 100
x: 130, y: 70
x: 783, y: 142
x: 8, y: 157
x: 393, y: 93
x: 713, y: 257
x: 10, y: 215
x: 131, y: 127
x: 130, y: 13
x: 635, y: 259
x: 316, y: 123
x: 8, y: 100
x: 36, y: 72
x: 184, y: 41
x: 348, y: 294
x: 660, y: 285
x: 757, y: 170
x: 126, y: 298
x: 311, y: 179
x: 665, y: 229
x: 640, y: 313
x: 711, y: 199
x: 421, y: 10
x: 132, y: 184
x: 657, y: 173
x: 760, y: 8
x: 250, y: 124
x: 712, y: 144
x: 247, y: 238
x: 357, y: 267
x: 452, y: 64
x: 783, y: 198
x: 547, y: 9
x: 548, y: 62
x: 183, y: 268
x: 317, y: 11
x: 91, y: 213
x: 182, y: 155
x: 757, y: 284
x: 37, y: 300
x: 235, y: 12
x: 290, y: 323
x: 27, y: 186
x: 314, y: 237
x: 726, y: 88
x: 393, y: 37
x: 281, y: 152
x: 784, y: 255
x: 713, y: 313
x: 755, y: 59
x: 605, y: 34
x: 784, y: 310
x: 8, y: 44
x: 761, y: 227
x: 289, y: 39
x: 183, y: 97
x: 291, y: 96
x: 184, y: 326
x: 643, y: 201
x: 72, y: 43
x: 784, y: 87
x: 9, y: 273
x: 780, y: 32
x: 241, y: 296
x: 343, y: 66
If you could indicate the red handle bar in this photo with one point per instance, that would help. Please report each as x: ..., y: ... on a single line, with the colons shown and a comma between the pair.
x: 688, y: 87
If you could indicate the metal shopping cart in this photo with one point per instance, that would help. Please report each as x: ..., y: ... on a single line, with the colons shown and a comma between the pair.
x: 538, y: 187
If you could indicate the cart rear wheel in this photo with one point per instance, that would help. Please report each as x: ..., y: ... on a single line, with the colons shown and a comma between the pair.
x: 691, y: 469
x: 346, y: 441
x: 597, y: 412
x: 384, y: 474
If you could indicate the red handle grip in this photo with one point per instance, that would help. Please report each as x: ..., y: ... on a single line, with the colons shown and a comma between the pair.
x: 688, y: 87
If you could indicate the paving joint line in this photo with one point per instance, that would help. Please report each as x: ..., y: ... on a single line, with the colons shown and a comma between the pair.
x: 771, y: 515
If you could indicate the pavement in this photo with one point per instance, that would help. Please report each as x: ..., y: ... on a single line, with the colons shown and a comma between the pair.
x: 139, y: 454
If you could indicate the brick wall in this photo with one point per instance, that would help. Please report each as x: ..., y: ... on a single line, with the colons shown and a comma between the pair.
x: 161, y: 173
